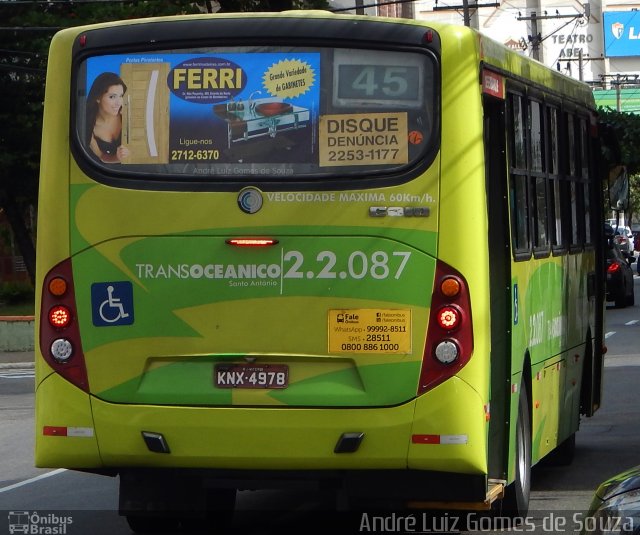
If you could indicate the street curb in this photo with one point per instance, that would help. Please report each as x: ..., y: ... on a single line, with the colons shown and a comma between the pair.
x: 16, y: 333
x: 16, y: 365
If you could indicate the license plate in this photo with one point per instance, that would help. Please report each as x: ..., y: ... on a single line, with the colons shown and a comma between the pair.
x: 251, y: 376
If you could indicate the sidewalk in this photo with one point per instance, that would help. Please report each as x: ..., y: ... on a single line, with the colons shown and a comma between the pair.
x: 16, y: 359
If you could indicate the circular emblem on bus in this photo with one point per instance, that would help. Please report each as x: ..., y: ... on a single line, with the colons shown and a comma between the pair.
x: 250, y: 200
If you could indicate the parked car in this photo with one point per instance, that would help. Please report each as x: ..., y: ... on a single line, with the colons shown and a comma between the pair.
x: 624, y: 239
x: 635, y: 230
x: 615, y: 508
x: 619, y: 286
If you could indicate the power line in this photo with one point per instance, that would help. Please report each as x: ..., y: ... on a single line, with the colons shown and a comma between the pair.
x: 31, y: 28
x: 71, y: 3
x: 6, y: 52
x: 376, y: 4
x: 7, y: 67
x: 575, y: 27
x: 635, y: 14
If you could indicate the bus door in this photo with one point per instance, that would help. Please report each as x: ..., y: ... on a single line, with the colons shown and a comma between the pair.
x: 499, y: 276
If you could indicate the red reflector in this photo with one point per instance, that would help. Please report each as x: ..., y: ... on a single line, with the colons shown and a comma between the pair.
x: 251, y: 242
x: 59, y: 316
x: 52, y: 431
x: 428, y: 36
x: 425, y: 439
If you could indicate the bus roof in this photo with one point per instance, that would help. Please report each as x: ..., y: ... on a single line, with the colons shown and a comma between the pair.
x: 488, y: 51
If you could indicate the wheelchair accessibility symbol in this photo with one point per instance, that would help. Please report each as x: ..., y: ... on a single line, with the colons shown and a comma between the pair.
x: 112, y: 303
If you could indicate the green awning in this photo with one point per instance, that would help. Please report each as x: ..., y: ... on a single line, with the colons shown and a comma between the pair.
x: 629, y: 99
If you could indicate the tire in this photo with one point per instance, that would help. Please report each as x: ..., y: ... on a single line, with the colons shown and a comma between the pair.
x: 621, y: 299
x: 152, y: 524
x: 219, y: 514
x: 515, y: 504
x: 631, y: 299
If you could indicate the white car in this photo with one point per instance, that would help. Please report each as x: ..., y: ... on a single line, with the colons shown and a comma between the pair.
x: 624, y: 238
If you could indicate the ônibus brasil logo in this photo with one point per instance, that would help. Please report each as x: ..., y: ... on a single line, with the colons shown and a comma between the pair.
x: 38, y: 523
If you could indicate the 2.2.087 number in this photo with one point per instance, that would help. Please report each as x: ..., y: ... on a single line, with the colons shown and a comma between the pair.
x: 359, y: 265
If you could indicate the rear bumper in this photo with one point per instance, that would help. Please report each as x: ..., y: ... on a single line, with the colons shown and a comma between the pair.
x: 429, y: 433
x: 248, y: 438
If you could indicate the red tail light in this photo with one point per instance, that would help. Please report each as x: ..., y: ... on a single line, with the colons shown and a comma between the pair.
x: 59, y: 332
x: 450, y: 335
x: 59, y: 317
x: 449, y: 318
x: 613, y: 267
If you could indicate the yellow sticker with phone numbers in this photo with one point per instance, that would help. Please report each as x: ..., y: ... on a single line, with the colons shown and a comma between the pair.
x: 370, y: 330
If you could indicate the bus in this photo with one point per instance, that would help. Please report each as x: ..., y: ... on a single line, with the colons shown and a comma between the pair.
x: 304, y: 249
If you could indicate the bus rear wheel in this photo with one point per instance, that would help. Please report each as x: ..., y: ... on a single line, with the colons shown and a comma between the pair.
x: 516, y: 501
x: 563, y: 454
x: 220, y: 504
x: 152, y: 524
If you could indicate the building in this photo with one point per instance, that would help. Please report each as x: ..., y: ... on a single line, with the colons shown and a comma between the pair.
x: 12, y: 266
x: 597, y: 42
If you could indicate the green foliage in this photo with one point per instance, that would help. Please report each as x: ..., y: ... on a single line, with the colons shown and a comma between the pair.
x: 229, y: 6
x: 16, y: 292
x: 625, y: 128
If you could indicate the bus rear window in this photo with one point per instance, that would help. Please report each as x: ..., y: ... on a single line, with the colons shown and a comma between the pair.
x: 234, y: 113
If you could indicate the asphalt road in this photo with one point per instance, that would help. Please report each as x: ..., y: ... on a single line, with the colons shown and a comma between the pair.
x: 79, y: 504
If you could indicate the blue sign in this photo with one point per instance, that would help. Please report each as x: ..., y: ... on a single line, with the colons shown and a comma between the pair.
x: 621, y: 33
x: 112, y: 303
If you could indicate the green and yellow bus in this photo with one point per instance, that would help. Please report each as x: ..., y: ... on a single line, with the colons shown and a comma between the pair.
x: 276, y: 249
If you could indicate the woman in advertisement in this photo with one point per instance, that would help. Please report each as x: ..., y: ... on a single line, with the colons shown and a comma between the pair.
x: 104, y: 118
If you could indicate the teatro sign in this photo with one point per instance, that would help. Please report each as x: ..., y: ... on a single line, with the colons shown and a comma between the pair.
x: 573, y: 45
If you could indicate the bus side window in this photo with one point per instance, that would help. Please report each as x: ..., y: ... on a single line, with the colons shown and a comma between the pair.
x: 576, y: 186
x: 518, y: 178
x: 555, y: 188
x: 585, y: 177
x: 539, y: 186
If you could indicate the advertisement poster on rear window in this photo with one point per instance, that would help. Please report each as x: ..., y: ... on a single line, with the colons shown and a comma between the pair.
x: 201, y: 110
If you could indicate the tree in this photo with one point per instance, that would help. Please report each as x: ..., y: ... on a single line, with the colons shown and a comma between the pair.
x: 625, y: 128
x: 24, y: 42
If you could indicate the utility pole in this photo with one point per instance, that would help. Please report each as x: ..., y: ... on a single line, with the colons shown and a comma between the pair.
x: 580, y: 66
x: 465, y: 13
x: 535, y: 37
x: 618, y: 84
x: 618, y: 80
x: 466, y: 9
